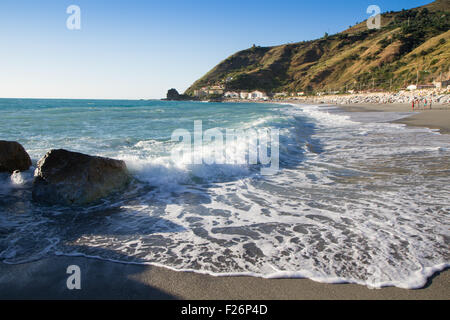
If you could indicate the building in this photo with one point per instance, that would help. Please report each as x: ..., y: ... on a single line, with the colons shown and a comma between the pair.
x: 244, y: 95
x: 200, y: 93
x: 232, y: 95
x: 258, y: 95
x: 205, y: 91
x: 217, y: 89
x: 426, y: 86
x: 442, y: 84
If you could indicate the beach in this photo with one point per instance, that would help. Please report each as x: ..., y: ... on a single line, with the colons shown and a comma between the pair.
x: 46, y: 279
x: 436, y: 118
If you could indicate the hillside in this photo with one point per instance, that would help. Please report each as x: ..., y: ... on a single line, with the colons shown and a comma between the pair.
x: 411, y: 44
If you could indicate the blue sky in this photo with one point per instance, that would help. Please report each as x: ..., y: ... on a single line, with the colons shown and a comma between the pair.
x: 139, y: 49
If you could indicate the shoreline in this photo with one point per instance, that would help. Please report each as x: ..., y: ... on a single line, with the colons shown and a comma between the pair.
x: 100, y: 279
x: 437, y: 118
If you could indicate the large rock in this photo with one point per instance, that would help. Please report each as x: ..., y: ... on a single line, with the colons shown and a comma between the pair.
x: 64, y: 177
x: 173, y: 94
x: 13, y: 157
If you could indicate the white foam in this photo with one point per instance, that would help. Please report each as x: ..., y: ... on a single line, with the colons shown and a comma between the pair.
x: 346, y: 232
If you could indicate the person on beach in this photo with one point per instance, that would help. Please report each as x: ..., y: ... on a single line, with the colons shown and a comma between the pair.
x: 413, y: 104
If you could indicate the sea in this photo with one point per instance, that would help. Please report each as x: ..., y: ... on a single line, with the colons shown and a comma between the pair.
x: 355, y: 198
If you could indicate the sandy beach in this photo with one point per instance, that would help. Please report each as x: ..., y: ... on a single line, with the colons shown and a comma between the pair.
x: 436, y: 118
x: 46, y: 279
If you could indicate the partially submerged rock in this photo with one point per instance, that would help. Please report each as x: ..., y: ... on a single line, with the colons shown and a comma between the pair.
x: 65, y: 177
x: 13, y: 157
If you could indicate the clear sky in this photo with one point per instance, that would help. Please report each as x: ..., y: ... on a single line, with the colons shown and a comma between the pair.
x: 137, y: 49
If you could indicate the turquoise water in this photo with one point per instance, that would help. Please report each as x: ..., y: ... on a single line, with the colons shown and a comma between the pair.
x: 355, y: 199
x: 107, y: 127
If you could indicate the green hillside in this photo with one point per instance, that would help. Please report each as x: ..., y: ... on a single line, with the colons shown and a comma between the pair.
x: 411, y: 43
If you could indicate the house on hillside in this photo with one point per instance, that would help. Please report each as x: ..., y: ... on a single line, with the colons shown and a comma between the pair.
x: 202, y: 92
x: 217, y: 89
x: 210, y: 90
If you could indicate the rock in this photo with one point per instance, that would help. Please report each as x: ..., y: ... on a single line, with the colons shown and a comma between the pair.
x: 13, y: 157
x: 65, y: 177
x: 173, y: 94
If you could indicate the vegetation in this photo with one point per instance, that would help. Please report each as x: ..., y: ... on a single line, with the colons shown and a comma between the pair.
x: 411, y: 43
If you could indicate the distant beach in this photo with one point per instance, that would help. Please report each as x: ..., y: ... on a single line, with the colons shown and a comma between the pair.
x: 436, y: 118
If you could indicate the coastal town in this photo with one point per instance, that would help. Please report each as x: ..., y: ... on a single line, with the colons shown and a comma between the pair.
x: 437, y: 92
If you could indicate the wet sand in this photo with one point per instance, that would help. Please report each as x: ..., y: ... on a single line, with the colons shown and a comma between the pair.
x: 436, y: 118
x: 46, y: 279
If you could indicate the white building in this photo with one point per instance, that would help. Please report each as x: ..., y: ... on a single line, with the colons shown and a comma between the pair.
x: 244, y: 95
x: 232, y: 95
x: 258, y: 95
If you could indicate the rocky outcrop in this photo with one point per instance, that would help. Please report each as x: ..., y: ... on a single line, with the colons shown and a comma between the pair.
x: 13, y: 157
x: 173, y: 95
x: 65, y: 177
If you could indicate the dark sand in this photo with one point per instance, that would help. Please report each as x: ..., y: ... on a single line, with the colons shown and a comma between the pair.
x: 46, y: 279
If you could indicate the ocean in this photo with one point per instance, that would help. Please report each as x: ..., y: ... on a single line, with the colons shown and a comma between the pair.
x: 355, y: 198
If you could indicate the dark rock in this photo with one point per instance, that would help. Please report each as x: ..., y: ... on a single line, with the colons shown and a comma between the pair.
x: 173, y: 95
x: 65, y: 177
x: 13, y: 157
